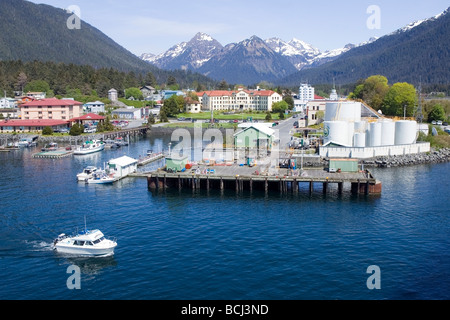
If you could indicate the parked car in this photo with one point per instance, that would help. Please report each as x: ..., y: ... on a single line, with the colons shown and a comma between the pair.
x: 433, y: 122
x: 439, y: 123
x: 445, y: 124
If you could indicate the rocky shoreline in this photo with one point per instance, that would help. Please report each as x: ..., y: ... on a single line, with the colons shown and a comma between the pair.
x: 435, y: 156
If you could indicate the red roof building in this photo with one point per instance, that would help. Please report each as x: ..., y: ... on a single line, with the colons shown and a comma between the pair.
x: 239, y: 100
x: 51, y: 109
x: 31, y: 125
x: 88, y: 117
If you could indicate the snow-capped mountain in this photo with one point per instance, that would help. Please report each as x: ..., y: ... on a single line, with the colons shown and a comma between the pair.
x: 248, y: 62
x: 187, y: 55
x: 419, y: 22
x: 299, y: 53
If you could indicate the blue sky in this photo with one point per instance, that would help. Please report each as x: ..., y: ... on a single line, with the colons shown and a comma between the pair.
x: 154, y: 26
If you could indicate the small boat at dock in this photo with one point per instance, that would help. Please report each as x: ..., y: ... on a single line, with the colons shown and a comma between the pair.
x: 102, y: 177
x: 87, y: 173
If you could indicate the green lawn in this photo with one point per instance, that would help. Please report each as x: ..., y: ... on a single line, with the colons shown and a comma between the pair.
x: 203, y: 125
x: 222, y: 116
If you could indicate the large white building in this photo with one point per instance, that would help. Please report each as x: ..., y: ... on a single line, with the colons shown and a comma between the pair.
x: 240, y: 100
x: 305, y: 92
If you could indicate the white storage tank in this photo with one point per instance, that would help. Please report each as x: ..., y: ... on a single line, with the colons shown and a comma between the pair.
x: 343, y: 111
x: 375, y: 134
x: 387, y: 133
x: 336, y: 132
x: 405, y: 132
x: 360, y: 140
x: 360, y: 126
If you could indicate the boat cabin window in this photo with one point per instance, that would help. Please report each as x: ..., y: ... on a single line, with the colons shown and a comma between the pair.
x: 89, y: 243
x: 78, y: 243
x: 99, y: 240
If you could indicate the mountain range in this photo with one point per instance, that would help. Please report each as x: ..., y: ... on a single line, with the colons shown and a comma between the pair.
x: 248, y: 62
x: 421, y: 49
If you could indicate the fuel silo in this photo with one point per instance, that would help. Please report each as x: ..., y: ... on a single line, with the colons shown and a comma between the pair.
x: 405, y: 132
x: 375, y: 134
x: 349, y: 111
x: 359, y: 140
x: 387, y: 132
x: 337, y: 132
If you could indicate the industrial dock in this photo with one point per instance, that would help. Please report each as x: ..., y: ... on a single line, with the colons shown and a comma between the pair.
x: 242, y: 178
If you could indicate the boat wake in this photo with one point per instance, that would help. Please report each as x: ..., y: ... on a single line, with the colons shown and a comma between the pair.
x: 40, y: 245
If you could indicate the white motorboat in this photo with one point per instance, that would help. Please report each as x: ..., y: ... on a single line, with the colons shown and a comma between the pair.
x: 86, y: 243
x: 24, y: 143
x: 102, y: 177
x: 87, y: 173
x: 90, y: 147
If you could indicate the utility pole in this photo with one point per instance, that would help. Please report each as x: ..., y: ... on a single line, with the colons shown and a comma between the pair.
x: 419, y: 116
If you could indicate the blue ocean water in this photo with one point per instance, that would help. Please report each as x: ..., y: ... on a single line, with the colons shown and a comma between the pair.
x: 211, y: 245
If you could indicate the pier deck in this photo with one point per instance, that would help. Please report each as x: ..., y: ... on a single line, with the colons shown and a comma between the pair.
x: 249, y: 178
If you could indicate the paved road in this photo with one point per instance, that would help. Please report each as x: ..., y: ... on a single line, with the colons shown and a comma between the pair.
x: 282, y: 131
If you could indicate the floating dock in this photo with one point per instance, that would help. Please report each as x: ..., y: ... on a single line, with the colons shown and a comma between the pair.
x: 54, y: 154
x: 248, y: 178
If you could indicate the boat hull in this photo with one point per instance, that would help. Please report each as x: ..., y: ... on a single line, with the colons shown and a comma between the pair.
x: 100, y: 181
x: 88, y: 151
x: 85, y: 251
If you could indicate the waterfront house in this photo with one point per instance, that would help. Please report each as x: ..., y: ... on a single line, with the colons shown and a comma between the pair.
x: 50, y: 109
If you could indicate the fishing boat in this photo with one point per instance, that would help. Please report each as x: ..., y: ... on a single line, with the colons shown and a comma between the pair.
x: 85, y: 243
x: 90, y: 147
x: 87, y: 173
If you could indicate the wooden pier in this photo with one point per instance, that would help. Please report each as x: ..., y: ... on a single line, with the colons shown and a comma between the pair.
x: 361, y: 182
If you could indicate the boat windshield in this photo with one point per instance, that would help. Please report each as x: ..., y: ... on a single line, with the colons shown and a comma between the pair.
x: 99, y: 240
